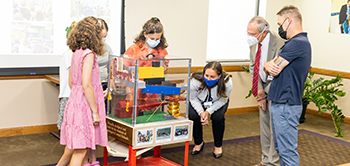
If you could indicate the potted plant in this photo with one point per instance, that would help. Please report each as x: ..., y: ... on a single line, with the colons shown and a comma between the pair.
x: 324, y: 93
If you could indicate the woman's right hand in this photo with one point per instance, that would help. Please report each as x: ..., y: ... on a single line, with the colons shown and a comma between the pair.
x: 130, y: 97
x: 95, y: 118
x: 204, y: 118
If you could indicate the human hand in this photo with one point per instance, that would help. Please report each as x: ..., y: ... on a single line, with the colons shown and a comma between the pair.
x: 261, y: 98
x: 95, y: 118
x: 105, y: 94
x: 165, y: 67
x: 262, y: 104
x: 129, y: 96
x: 206, y: 122
x: 261, y: 94
x: 271, y: 68
x: 204, y: 116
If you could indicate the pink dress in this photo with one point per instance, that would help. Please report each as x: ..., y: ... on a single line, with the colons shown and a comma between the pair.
x: 78, y: 131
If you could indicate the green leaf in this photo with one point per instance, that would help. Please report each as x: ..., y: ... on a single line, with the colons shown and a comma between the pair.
x: 324, y: 109
x: 249, y: 93
x: 323, y: 93
x: 245, y: 69
x: 340, y: 93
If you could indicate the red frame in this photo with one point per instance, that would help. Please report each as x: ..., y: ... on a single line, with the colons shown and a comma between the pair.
x: 155, y: 160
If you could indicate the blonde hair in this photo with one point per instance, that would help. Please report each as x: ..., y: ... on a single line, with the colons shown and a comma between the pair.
x: 290, y: 10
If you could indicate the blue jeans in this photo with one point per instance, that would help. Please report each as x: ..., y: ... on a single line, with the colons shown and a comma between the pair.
x: 285, y: 120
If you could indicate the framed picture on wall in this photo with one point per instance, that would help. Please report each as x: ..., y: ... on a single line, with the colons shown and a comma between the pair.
x: 339, y: 17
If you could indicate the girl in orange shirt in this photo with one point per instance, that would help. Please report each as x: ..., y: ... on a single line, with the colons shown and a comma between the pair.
x: 149, y: 44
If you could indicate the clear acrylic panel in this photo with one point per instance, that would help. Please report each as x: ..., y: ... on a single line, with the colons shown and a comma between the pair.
x: 141, y: 91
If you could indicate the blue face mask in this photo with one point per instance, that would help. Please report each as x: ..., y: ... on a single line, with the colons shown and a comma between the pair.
x: 210, y: 83
x: 153, y: 43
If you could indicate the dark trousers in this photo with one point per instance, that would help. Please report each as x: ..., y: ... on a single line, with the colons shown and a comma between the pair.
x: 104, y: 87
x: 218, y: 125
x: 341, y: 29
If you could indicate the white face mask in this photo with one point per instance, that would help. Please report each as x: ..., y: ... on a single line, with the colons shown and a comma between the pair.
x: 254, y: 40
x: 153, y: 43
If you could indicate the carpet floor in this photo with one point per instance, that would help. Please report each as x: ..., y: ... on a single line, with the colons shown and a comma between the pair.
x: 314, y: 150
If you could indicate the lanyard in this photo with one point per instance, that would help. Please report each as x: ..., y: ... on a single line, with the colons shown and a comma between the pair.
x: 209, y: 98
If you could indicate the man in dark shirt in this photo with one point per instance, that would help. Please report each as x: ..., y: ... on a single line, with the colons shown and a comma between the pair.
x: 289, y: 70
x: 343, y: 15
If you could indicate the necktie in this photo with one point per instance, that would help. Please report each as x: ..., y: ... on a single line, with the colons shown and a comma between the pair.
x: 256, y: 71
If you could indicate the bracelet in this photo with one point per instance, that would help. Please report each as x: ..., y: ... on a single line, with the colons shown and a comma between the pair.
x: 149, y: 55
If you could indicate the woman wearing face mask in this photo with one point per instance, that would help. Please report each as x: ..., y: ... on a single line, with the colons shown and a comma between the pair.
x: 209, y: 95
x: 149, y: 44
x: 102, y: 60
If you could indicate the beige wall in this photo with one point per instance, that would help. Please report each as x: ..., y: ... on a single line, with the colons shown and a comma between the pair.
x: 329, y: 50
x: 185, y: 25
x: 272, y: 7
x: 27, y: 102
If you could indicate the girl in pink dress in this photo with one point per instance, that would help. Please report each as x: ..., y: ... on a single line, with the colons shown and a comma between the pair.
x: 84, y: 123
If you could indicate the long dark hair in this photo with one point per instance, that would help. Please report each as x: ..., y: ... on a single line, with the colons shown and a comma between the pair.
x: 216, y: 66
x: 103, y: 24
x: 152, y: 26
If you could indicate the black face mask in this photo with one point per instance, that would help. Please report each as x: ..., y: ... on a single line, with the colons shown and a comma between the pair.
x: 281, y: 32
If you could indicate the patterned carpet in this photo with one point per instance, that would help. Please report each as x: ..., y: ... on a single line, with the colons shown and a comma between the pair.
x: 314, y: 150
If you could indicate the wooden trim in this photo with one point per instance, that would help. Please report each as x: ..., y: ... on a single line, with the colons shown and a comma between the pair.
x: 27, y: 130
x: 178, y: 81
x: 328, y: 72
x: 324, y: 115
x: 231, y: 111
x: 52, y: 79
x: 347, y: 164
x: 21, y: 77
x: 241, y: 110
x: 234, y: 68
x: 184, y: 70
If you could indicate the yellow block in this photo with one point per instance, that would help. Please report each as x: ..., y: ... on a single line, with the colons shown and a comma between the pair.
x: 151, y: 72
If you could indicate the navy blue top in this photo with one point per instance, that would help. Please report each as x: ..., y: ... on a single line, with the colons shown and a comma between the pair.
x: 289, y: 84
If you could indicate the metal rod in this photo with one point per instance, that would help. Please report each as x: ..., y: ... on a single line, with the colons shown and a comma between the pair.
x: 136, y: 78
x: 122, y: 28
x: 188, y: 87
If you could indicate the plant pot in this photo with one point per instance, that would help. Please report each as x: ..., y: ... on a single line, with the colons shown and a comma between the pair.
x: 302, y: 116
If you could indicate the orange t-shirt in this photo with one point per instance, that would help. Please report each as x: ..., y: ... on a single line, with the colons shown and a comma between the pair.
x: 139, y: 51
